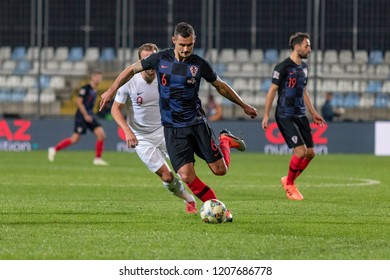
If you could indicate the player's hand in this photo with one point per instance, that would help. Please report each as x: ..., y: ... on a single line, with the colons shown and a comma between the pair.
x: 250, y: 111
x: 264, y: 123
x: 318, y: 120
x: 106, y: 97
x: 131, y: 140
x: 88, y: 119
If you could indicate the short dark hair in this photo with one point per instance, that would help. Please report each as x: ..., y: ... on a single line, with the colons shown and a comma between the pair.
x: 184, y: 30
x: 298, y: 38
x: 147, y: 47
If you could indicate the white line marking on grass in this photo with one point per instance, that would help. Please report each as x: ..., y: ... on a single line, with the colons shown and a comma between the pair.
x: 356, y: 182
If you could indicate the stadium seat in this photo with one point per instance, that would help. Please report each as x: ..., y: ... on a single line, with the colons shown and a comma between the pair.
x: 28, y: 81
x: 387, y: 57
x: 264, y: 70
x: 242, y: 56
x: 8, y: 67
x: 271, y: 56
x: 331, y: 56
x: 374, y: 86
x: 257, y: 55
x: 22, y: 67
x: 199, y: 51
x: 386, y: 87
x: 345, y: 56
x: 13, y: 81
x: 226, y: 55
x: 375, y: 57
x: 18, y: 53
x: 284, y: 53
x: 212, y: 55
x: 61, y: 53
x: 32, y: 53
x: 337, y: 100
x: 361, y: 57
x: 381, y: 100
x: 107, y: 54
x: 91, y: 54
x: 80, y: 68
x: 351, y: 100
x: 265, y: 85
x: 344, y: 85
x: 76, y: 54
x: 220, y: 68
x: 50, y: 67
x: 382, y: 70
x: 124, y: 54
x: 57, y: 82
x: 47, y: 53
x: 44, y: 81
x: 5, y: 53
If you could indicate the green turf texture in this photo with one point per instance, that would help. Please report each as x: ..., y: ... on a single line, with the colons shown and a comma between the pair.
x: 70, y: 209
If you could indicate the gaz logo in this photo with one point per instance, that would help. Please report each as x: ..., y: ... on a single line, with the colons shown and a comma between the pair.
x: 274, y: 136
x: 17, y: 131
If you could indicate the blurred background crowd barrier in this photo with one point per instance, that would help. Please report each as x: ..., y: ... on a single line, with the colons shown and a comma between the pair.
x: 47, y: 48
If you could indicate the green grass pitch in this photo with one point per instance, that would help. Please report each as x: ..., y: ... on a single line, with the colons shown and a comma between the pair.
x: 70, y: 209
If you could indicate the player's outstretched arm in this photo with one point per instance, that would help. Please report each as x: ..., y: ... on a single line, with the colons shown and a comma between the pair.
x: 122, y: 78
x: 226, y: 91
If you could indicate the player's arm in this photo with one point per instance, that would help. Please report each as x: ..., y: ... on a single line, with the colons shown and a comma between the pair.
x: 268, y: 104
x: 83, y: 111
x: 225, y: 90
x: 122, y: 78
x: 317, y: 118
x: 116, y: 113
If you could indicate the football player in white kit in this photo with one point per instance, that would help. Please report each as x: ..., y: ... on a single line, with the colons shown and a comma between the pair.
x: 139, y: 98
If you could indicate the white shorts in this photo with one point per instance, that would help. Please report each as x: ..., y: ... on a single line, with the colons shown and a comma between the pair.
x: 152, y: 150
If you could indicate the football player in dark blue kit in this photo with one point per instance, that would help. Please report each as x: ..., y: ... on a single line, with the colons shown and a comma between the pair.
x: 186, y: 131
x: 289, y: 79
x: 84, y: 119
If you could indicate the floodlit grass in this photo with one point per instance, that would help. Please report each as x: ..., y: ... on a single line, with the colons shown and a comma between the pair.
x: 71, y: 209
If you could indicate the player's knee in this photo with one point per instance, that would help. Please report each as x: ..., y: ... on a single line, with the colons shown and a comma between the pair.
x: 219, y: 171
x: 310, y: 154
x: 167, y: 177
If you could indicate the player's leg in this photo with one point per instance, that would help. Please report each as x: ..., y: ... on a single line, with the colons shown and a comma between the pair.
x: 153, y: 156
x: 294, y: 140
x: 99, y: 146
x: 73, y: 139
x: 227, y: 141
x: 175, y: 187
x: 305, y: 130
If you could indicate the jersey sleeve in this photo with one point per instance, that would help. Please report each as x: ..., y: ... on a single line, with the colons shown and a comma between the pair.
x: 150, y: 62
x: 277, y: 74
x: 208, y: 72
x: 122, y: 93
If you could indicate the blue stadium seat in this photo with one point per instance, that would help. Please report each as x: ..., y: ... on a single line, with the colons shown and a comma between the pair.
x: 375, y: 57
x: 264, y: 86
x: 76, y: 54
x: 22, y: 67
x: 19, y: 53
x: 18, y: 94
x: 337, y: 100
x: 373, y: 86
x: 381, y: 100
x: 107, y: 54
x: 351, y: 100
x: 271, y: 56
x: 220, y: 68
x: 44, y: 81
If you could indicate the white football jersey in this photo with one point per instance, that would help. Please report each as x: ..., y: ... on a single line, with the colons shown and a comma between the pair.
x: 142, y: 105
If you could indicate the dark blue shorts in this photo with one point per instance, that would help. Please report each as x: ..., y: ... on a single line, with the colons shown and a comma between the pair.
x: 296, y: 131
x: 81, y: 126
x: 184, y: 143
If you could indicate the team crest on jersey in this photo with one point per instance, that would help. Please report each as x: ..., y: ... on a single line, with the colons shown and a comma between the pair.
x: 193, y: 70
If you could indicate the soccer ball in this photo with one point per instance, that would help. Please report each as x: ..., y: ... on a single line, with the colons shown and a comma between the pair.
x: 213, y: 211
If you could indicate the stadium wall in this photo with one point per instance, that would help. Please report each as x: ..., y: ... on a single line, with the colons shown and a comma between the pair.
x: 24, y: 135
